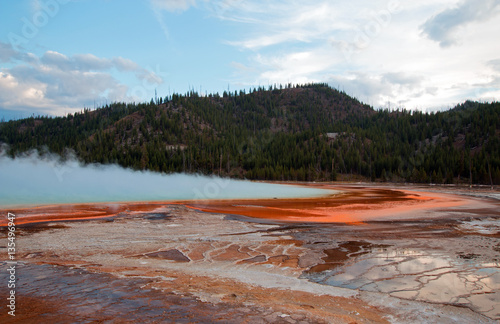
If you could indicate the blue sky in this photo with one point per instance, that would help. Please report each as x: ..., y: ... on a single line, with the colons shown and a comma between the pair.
x: 59, y: 56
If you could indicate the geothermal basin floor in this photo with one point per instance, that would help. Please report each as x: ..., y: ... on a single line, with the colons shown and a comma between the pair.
x: 406, y: 255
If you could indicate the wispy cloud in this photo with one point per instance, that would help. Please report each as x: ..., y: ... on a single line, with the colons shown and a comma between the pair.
x: 280, y: 22
x: 90, y: 62
x: 173, y: 5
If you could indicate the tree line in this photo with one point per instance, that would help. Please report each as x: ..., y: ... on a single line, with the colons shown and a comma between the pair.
x: 307, y: 132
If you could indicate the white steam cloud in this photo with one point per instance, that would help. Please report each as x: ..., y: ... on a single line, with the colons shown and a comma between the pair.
x: 38, y: 180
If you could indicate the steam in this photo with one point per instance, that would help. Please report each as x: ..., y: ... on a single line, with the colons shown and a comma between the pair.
x: 37, y: 180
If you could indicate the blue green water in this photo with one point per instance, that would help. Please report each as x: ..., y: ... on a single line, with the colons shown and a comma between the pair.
x: 36, y: 181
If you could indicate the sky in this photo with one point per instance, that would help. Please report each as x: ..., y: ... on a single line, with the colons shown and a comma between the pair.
x: 60, y: 56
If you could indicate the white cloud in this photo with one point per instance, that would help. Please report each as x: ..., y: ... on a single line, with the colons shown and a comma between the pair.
x: 361, y: 86
x: 48, y: 90
x: 444, y: 27
x: 57, y: 84
x: 395, y: 90
x: 297, y: 67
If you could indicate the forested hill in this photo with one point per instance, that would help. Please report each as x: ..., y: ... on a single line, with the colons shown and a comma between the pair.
x: 310, y: 132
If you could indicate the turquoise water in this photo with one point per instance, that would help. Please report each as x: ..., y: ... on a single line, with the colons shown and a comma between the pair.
x: 36, y: 181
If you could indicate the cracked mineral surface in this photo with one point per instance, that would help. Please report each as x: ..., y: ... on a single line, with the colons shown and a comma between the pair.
x: 369, y: 255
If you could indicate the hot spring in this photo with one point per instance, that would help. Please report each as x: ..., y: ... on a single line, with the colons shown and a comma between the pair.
x: 36, y: 180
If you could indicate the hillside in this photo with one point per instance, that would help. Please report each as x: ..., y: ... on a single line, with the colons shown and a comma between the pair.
x: 310, y: 132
